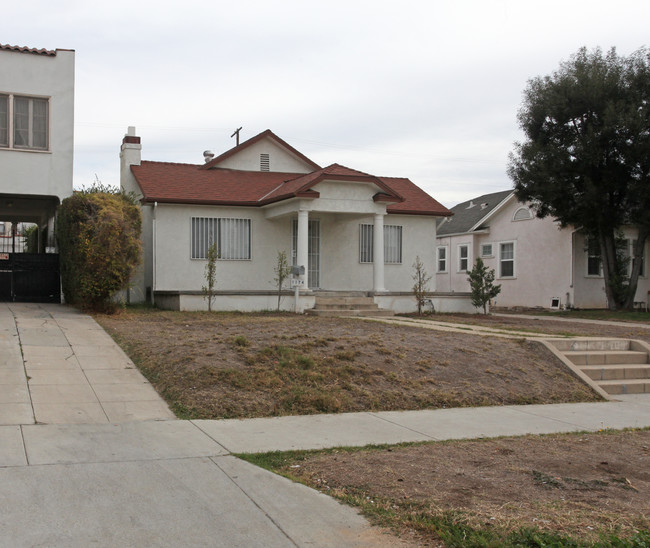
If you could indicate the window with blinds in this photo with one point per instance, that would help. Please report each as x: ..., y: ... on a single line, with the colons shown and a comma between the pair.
x: 392, y: 244
x: 232, y: 236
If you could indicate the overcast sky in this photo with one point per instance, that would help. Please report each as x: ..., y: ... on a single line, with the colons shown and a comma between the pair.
x: 422, y: 89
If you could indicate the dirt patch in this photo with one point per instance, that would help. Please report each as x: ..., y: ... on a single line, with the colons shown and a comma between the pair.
x: 579, y: 485
x: 252, y: 365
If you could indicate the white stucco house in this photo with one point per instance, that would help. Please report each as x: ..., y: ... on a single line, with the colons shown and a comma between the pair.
x: 537, y: 263
x: 354, y: 232
x: 36, y: 154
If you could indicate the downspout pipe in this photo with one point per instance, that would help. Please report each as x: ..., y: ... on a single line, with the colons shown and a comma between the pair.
x: 153, y: 257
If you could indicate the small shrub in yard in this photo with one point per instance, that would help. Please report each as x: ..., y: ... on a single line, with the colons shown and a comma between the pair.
x: 210, y: 275
x: 240, y: 340
x: 98, y: 233
x: 481, y: 283
x: 421, y: 285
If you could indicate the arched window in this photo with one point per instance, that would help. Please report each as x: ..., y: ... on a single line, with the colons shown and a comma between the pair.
x: 522, y: 214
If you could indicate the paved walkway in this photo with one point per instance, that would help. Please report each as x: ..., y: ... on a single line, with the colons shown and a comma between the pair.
x: 58, y: 366
x: 132, y: 482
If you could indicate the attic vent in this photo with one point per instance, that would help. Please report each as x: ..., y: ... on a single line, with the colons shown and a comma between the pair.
x: 265, y: 162
x: 522, y: 214
x: 484, y: 205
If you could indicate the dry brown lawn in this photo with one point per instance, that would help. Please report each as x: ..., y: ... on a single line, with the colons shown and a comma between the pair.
x: 227, y: 365
x: 583, y: 487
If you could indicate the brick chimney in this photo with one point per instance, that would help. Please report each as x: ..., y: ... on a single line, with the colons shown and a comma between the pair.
x: 130, y: 155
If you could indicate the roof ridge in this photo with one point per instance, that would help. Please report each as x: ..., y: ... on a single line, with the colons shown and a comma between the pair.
x: 169, y: 163
x: 25, y: 49
x: 348, y: 168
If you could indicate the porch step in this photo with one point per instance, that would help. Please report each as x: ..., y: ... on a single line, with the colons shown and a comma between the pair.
x: 346, y: 305
x: 635, y: 386
x: 607, y: 357
x: 617, y: 372
x: 616, y: 366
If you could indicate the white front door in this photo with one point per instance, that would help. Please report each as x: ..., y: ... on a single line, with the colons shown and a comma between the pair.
x: 313, y: 251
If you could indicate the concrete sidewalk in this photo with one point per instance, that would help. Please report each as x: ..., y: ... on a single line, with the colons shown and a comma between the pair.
x: 171, y: 483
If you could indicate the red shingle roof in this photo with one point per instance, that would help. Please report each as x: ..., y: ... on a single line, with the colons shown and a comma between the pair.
x: 416, y: 201
x: 190, y: 184
x: 25, y: 49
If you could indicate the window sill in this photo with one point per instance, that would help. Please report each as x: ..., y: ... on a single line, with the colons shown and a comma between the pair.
x: 37, y: 150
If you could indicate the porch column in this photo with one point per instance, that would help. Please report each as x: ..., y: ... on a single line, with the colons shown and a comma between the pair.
x: 302, y: 255
x: 378, y: 253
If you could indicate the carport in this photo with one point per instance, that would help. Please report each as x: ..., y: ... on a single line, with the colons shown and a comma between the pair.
x: 29, y: 271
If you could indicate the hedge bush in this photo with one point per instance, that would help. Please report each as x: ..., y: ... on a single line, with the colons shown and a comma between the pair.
x: 98, y: 232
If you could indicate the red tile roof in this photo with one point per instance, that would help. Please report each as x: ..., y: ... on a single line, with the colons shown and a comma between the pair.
x: 190, y: 184
x: 416, y: 201
x: 24, y: 49
x: 267, y: 133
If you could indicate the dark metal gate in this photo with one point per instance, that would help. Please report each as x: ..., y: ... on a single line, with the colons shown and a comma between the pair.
x: 30, y: 277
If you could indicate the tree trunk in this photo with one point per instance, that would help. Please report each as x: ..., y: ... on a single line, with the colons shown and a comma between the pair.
x: 637, y: 261
x: 608, y: 259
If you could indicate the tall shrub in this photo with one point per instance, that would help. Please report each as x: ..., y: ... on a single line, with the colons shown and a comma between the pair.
x: 98, y: 233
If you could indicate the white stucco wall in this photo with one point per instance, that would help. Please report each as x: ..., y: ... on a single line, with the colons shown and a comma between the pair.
x: 549, y: 263
x: 339, y: 250
x: 589, y: 291
x: 279, y: 159
x: 542, y: 260
x: 44, y: 173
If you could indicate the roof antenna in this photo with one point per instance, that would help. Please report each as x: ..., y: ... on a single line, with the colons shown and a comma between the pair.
x: 236, y: 133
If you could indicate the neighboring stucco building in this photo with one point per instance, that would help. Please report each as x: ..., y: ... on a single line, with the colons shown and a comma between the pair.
x: 537, y: 263
x: 36, y: 153
x: 354, y: 232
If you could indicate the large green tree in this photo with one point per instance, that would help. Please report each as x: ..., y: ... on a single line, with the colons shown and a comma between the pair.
x: 585, y: 159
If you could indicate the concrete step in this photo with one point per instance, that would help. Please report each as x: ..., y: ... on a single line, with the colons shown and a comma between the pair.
x: 585, y: 345
x: 632, y: 386
x: 349, y: 312
x: 336, y: 301
x: 337, y: 304
x: 610, y: 366
x: 606, y: 357
x: 617, y: 371
x: 332, y: 306
x: 326, y: 294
